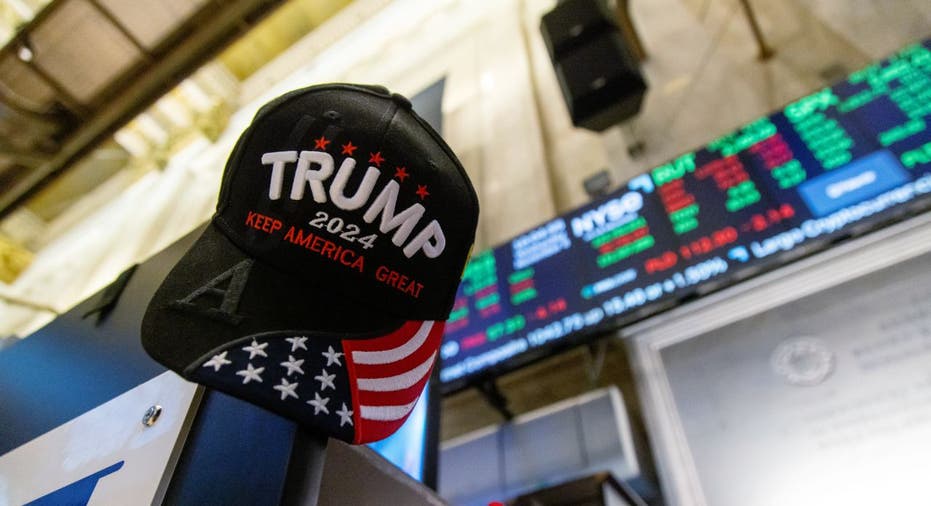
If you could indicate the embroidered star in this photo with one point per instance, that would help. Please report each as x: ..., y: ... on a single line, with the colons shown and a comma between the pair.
x: 286, y: 389
x: 217, y: 362
x: 256, y: 349
x: 401, y: 173
x: 376, y: 158
x: 345, y: 415
x: 332, y: 356
x: 321, y: 143
x: 293, y: 366
x: 297, y: 342
x: 348, y: 148
x: 326, y: 380
x: 319, y: 404
x: 250, y: 374
x: 422, y: 191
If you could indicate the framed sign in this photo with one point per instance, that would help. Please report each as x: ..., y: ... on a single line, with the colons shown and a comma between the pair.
x: 122, y: 452
x: 809, y: 385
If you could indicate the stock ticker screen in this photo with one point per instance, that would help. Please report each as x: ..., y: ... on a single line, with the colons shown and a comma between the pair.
x: 850, y: 155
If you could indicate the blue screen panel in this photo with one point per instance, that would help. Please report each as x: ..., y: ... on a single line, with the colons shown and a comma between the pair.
x: 407, y: 448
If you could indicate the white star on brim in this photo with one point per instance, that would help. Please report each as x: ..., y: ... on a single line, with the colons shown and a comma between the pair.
x: 250, y: 374
x: 345, y: 415
x: 256, y: 349
x: 297, y: 342
x: 293, y: 365
x: 319, y: 404
x: 217, y: 362
x: 332, y: 356
x: 286, y: 389
x: 326, y: 380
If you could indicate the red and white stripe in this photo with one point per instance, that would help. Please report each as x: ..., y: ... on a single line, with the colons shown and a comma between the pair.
x: 388, y: 374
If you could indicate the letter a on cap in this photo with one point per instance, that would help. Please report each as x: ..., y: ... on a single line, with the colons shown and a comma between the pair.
x: 226, y: 312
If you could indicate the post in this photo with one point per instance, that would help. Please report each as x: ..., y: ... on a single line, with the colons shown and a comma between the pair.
x: 766, y: 52
x: 628, y: 31
x: 305, y: 469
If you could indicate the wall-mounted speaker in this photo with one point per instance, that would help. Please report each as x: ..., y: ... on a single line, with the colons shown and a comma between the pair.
x: 600, y: 79
x: 574, y: 22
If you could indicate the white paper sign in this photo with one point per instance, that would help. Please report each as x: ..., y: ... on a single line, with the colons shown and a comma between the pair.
x: 106, y: 456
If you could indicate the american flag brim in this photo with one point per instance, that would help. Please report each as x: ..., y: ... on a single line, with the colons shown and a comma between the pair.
x: 390, y: 373
x: 356, y: 389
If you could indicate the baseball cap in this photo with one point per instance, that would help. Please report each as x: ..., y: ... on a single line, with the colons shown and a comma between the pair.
x: 320, y: 287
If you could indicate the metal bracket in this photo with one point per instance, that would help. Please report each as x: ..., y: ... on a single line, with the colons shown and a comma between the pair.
x: 495, y: 399
x: 595, y: 355
x: 765, y: 50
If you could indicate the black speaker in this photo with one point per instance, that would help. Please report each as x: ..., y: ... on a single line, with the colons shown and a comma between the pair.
x: 601, y: 83
x: 599, y: 76
x: 573, y: 23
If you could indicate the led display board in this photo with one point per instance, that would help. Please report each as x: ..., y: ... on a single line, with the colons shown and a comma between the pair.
x: 839, y: 161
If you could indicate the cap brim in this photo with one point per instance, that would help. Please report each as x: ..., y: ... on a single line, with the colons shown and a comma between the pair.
x: 290, y: 345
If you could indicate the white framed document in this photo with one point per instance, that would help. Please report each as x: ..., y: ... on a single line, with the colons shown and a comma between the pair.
x: 808, y: 385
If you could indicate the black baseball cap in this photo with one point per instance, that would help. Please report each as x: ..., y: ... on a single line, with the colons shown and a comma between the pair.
x: 320, y: 287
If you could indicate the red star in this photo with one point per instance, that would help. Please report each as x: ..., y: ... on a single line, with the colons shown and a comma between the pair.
x: 422, y: 191
x: 401, y: 173
x: 376, y: 158
x: 348, y: 148
x: 321, y: 143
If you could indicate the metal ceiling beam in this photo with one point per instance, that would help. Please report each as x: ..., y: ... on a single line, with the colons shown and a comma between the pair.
x: 22, y: 157
x: 43, y: 118
x: 226, y: 20
x: 122, y: 29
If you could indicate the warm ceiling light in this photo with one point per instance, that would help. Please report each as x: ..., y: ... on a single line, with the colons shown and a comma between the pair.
x: 24, y: 52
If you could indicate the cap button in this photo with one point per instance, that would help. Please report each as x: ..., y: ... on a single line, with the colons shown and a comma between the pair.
x: 402, y: 101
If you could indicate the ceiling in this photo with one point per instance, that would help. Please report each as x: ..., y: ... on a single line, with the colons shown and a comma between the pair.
x: 79, y: 69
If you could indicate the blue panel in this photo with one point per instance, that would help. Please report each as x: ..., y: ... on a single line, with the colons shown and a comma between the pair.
x: 406, y: 447
x: 235, y: 453
x: 860, y: 180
